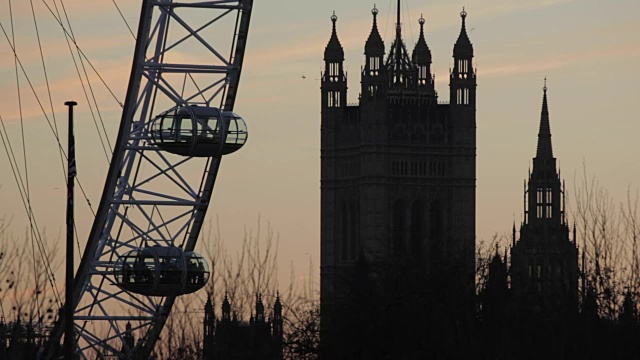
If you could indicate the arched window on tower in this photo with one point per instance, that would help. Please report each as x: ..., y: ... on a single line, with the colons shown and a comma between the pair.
x: 539, y: 274
x: 334, y: 71
x: 462, y: 96
x: 372, y: 90
x: 355, y: 229
x: 417, y: 229
x: 435, y: 229
x: 374, y: 65
x: 333, y: 99
x: 540, y: 203
x: 398, y: 228
x: 344, y: 241
x: 422, y: 75
x: 463, y: 68
x: 549, y: 203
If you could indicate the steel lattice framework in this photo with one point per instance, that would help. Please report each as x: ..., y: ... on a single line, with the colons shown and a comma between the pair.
x: 186, y: 53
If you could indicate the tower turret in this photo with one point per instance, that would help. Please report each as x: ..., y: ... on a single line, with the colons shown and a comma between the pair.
x: 545, y: 259
x: 277, y: 317
x: 462, y: 90
x: 209, y: 328
x: 259, y: 309
x: 226, y: 309
x: 545, y: 191
x: 128, y: 338
x: 422, y: 60
x: 278, y: 326
x: 334, y: 80
x: 333, y: 88
x: 373, y: 74
x: 463, y: 77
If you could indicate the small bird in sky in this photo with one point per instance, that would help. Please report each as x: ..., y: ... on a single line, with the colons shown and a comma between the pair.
x: 304, y: 77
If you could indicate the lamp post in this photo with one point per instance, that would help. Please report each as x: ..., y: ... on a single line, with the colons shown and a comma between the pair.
x: 69, y: 338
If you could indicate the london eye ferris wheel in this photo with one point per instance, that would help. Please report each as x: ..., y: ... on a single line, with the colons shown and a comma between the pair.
x: 177, y: 122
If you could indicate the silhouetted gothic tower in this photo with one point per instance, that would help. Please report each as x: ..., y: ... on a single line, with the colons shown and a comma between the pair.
x: 544, y: 263
x: 398, y: 174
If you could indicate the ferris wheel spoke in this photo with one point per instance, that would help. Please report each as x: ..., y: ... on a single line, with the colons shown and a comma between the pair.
x: 201, y: 92
x: 219, y: 4
x: 165, y: 237
x: 156, y: 227
x: 96, y: 343
x: 163, y: 86
x: 190, y: 202
x: 139, y: 304
x: 194, y: 33
x: 172, y: 168
x: 139, y: 203
x: 167, y: 68
x: 178, y: 42
x: 169, y: 172
x: 135, y: 228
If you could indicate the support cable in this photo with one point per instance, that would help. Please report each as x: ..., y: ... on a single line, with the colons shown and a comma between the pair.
x: 69, y: 35
x: 82, y: 53
x: 386, y: 25
x: 125, y: 20
x: 45, y: 114
x: 408, y: 20
x: 46, y: 79
x: 25, y: 159
x: 21, y: 189
x: 84, y: 69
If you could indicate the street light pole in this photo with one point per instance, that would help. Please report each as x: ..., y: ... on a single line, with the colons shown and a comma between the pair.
x: 69, y: 337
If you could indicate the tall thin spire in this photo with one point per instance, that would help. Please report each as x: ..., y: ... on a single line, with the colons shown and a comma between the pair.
x: 421, y: 52
x: 463, y: 47
x: 398, y: 62
x: 544, y: 150
x: 398, y: 58
x: 334, y: 50
x: 374, y: 44
x: 398, y: 20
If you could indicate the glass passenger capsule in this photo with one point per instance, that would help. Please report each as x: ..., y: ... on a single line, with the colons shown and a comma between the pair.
x: 161, y: 271
x: 196, y: 131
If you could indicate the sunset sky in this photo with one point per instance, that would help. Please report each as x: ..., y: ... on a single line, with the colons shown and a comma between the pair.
x: 589, y: 50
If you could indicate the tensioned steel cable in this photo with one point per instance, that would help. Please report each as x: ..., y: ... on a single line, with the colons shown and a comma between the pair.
x: 46, y: 80
x: 24, y: 157
x: 70, y: 36
x: 19, y: 180
x: 60, y: 146
x: 123, y: 19
x: 408, y: 20
x: 20, y: 183
x: 83, y: 54
x: 84, y: 69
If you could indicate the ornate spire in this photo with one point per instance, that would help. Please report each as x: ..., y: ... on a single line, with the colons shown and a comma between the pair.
x: 374, y: 45
x: 226, y: 307
x: 544, y: 150
x: 334, y: 50
x: 277, y: 306
x: 259, y: 308
x: 398, y: 62
x: 398, y: 42
x: 421, y: 53
x: 463, y: 46
x: 208, y: 306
